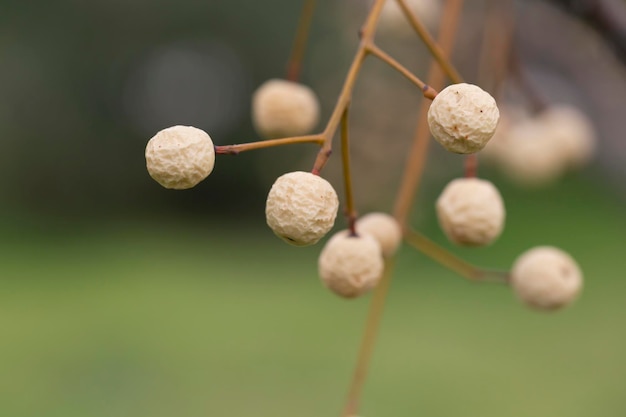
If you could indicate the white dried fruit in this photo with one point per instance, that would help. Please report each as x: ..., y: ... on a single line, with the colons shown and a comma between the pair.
x: 546, y: 278
x: 393, y: 21
x: 282, y: 108
x: 351, y: 265
x: 463, y: 117
x: 471, y: 211
x: 384, y: 228
x: 572, y: 131
x: 531, y: 158
x: 179, y: 157
x: 301, y: 207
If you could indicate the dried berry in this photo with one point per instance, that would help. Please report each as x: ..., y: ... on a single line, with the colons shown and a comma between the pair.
x: 384, y: 228
x: 301, y: 207
x: 351, y: 265
x: 179, y: 157
x: 573, y: 133
x: 282, y: 108
x: 471, y: 211
x: 463, y: 118
x: 546, y: 278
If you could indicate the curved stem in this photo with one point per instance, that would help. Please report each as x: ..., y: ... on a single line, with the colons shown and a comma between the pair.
x: 437, y: 52
x: 451, y: 261
x: 294, y: 65
x: 236, y: 149
x: 372, y: 324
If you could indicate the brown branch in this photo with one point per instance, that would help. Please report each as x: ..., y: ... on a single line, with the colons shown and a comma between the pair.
x: 294, y: 65
x: 414, y: 167
x: 451, y: 261
x: 236, y: 149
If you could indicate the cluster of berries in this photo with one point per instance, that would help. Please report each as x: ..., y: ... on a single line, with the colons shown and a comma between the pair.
x: 301, y: 207
x: 537, y: 150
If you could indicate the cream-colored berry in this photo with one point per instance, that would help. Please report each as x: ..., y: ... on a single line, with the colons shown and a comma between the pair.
x: 463, y: 118
x: 351, y: 265
x: 301, y: 208
x: 530, y: 157
x: 282, y: 108
x: 471, y: 211
x: 393, y: 21
x: 546, y: 278
x: 179, y: 157
x: 384, y: 228
x: 572, y: 131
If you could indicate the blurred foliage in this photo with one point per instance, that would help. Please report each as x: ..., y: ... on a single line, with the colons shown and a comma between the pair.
x: 221, y: 318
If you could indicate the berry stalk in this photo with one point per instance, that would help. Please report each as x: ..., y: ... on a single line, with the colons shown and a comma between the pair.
x: 417, y: 155
x: 436, y: 48
x: 294, y: 65
x: 250, y: 146
x: 347, y: 175
x: 452, y: 262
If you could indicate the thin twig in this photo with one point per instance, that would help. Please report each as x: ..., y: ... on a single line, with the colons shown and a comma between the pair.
x: 428, y: 91
x: 236, y: 149
x: 347, y: 175
x: 294, y: 66
x: 451, y: 261
x: 416, y: 160
x: 435, y: 49
x: 377, y: 305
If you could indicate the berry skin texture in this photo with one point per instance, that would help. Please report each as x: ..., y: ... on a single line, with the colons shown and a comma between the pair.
x: 301, y: 208
x: 384, y: 228
x: 282, y: 108
x: 546, y: 278
x: 350, y: 266
x: 471, y: 212
x: 463, y: 117
x: 179, y: 157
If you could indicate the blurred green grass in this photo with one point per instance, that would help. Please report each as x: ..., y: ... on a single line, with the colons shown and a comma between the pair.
x: 153, y: 319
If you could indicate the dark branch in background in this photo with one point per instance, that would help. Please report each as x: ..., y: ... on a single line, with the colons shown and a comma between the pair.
x: 607, y: 17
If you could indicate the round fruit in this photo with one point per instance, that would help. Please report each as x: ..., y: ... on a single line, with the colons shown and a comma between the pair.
x: 463, y: 118
x: 471, y: 211
x: 546, y: 278
x: 351, y: 265
x: 282, y: 108
x: 179, y: 157
x: 301, y: 207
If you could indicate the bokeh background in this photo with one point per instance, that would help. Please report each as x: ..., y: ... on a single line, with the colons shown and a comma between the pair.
x: 121, y: 298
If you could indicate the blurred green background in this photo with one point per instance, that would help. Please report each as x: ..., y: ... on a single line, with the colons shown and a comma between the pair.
x: 120, y: 298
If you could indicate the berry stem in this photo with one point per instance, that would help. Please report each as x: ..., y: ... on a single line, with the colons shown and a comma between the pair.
x: 471, y: 166
x: 347, y: 175
x: 367, y: 35
x: 451, y: 261
x: 435, y: 49
x: 236, y: 149
x: 372, y: 325
x: 410, y: 181
x: 416, y: 160
x: 496, y: 45
x: 428, y: 91
x: 294, y: 66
